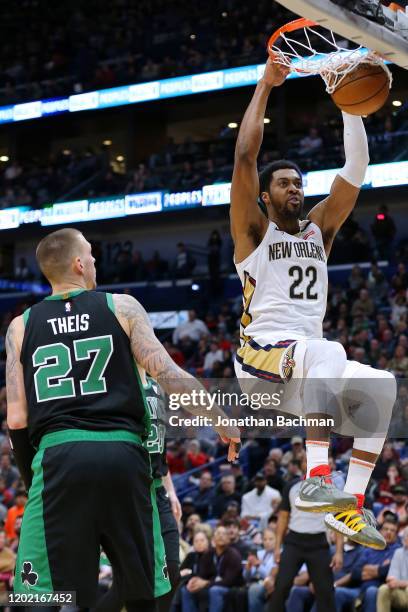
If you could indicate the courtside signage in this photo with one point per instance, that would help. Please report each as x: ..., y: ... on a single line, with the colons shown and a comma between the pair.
x: 315, y: 184
x: 137, y: 93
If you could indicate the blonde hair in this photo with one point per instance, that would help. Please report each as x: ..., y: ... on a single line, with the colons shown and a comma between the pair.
x: 55, y: 252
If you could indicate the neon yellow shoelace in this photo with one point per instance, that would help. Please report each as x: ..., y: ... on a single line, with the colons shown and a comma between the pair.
x: 352, y: 519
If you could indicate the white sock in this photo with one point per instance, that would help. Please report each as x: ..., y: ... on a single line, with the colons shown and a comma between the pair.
x: 317, y: 453
x: 358, y: 477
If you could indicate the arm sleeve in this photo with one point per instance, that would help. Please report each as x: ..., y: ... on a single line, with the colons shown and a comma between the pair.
x: 355, y: 149
x: 23, y: 453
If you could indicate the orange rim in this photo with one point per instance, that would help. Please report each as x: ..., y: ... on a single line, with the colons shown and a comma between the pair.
x: 291, y: 26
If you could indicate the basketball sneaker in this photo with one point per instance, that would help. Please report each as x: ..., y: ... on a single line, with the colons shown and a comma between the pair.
x: 371, y: 9
x: 358, y: 525
x: 318, y: 493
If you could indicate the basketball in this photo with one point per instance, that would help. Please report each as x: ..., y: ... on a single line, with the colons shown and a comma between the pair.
x: 363, y: 91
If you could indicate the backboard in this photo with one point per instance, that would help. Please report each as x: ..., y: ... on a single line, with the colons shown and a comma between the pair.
x: 360, y: 30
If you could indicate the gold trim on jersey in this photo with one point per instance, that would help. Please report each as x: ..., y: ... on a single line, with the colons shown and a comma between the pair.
x: 274, y: 362
x: 248, y: 291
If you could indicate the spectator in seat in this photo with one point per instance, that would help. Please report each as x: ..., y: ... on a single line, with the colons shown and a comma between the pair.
x: 231, y: 512
x: 293, y: 471
x: 363, y: 305
x: 195, y: 457
x: 387, y: 343
x: 9, y: 472
x: 185, y: 262
x: 191, y: 523
x: 377, y: 284
x: 373, y: 568
x: 399, y: 308
x: 399, y: 281
x: 175, y: 353
x: 17, y: 528
x: 398, y: 365
x: 394, y: 593
x: 220, y: 570
x: 392, y: 478
x: 387, y: 457
x: 296, y: 451
x: 7, y: 565
x: 236, y: 541
x: 6, y: 498
x: 398, y: 506
x: 258, y: 571
x: 194, y: 329
x: 191, y: 565
x: 241, y: 481
x: 273, y: 477
x: 204, y: 497
x: 14, y: 512
x: 356, y: 280
x: 226, y: 494
x: 311, y: 143
x: 214, y: 354
x: 176, y: 457
x: 261, y: 501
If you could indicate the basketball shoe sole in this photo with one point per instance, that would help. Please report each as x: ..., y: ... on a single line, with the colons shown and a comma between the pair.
x: 318, y: 495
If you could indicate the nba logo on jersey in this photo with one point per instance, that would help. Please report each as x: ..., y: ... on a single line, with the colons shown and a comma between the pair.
x: 68, y: 307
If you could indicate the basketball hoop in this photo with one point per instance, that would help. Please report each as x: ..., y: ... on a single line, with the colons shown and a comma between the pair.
x: 301, y: 56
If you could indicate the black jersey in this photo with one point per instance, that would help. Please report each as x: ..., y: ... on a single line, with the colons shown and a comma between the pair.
x: 155, y: 444
x: 79, y: 370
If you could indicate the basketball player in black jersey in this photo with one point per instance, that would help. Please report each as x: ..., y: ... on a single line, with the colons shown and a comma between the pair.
x: 168, y: 504
x: 77, y: 419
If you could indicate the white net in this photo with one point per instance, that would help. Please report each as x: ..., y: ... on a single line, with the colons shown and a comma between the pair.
x: 333, y: 65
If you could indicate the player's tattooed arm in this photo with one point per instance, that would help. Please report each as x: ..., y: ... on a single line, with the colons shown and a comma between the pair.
x: 146, y: 348
x: 16, y: 398
x: 153, y: 357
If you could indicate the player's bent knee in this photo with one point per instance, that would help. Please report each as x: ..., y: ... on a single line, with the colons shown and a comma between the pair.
x: 324, y: 359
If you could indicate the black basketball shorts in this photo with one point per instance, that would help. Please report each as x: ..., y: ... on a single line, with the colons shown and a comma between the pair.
x: 91, y: 489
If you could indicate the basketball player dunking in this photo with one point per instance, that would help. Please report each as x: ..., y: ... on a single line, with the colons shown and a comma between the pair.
x: 282, y: 263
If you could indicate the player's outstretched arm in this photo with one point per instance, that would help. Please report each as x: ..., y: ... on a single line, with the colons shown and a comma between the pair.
x: 17, y: 410
x: 153, y: 357
x: 331, y: 213
x: 247, y: 221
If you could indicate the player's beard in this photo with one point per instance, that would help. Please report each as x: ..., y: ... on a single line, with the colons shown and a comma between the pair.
x: 294, y: 213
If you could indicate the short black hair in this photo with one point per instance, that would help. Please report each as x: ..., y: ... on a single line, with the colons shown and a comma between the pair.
x: 265, y: 176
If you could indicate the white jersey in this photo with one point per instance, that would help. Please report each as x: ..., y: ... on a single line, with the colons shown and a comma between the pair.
x: 284, y: 283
